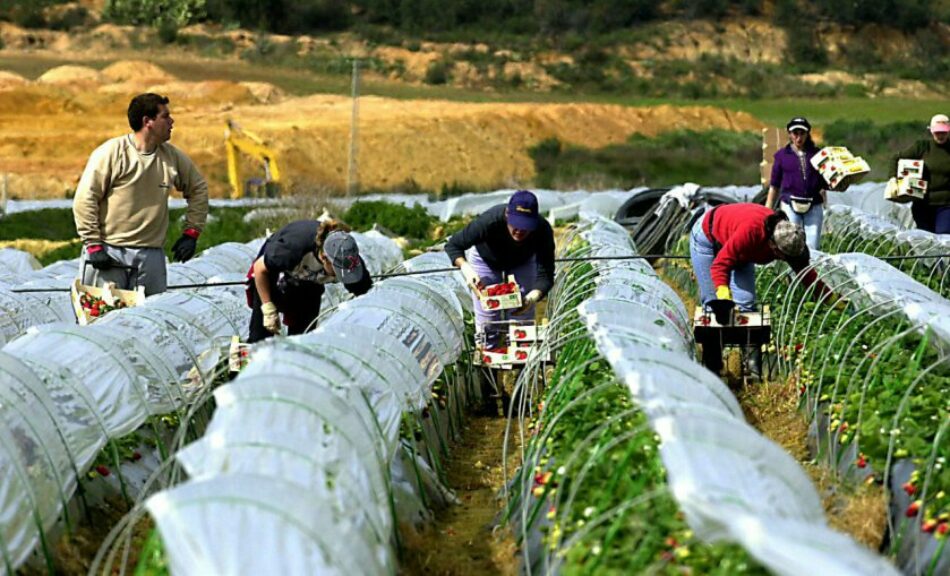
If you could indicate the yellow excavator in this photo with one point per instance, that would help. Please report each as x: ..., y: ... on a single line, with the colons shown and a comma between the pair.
x: 238, y: 141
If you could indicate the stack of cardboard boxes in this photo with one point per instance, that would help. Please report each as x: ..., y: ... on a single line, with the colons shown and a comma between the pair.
x: 909, y: 184
x: 839, y: 167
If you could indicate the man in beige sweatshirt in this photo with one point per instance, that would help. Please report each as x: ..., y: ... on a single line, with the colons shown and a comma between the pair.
x: 121, y: 203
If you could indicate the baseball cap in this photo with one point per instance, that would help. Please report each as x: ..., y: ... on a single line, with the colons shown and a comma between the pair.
x: 789, y: 238
x: 344, y: 255
x: 523, y: 210
x: 798, y: 123
x: 940, y: 123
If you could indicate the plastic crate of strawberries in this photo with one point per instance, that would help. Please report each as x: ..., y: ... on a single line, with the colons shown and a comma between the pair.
x: 503, y: 296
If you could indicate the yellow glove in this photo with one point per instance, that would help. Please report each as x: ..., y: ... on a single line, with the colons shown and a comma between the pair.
x: 723, y: 293
x: 271, y: 317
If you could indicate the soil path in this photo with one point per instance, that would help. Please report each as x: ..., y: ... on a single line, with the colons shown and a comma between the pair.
x: 463, y: 540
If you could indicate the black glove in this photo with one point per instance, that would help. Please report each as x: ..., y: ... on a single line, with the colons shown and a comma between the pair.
x: 97, y: 257
x: 185, y: 248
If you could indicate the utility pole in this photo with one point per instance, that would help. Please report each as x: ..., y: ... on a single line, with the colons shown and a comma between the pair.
x: 3, y: 194
x: 352, y: 177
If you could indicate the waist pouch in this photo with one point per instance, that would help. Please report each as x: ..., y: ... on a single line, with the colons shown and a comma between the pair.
x: 800, y: 205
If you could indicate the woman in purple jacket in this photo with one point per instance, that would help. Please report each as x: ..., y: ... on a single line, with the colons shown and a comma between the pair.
x: 797, y: 184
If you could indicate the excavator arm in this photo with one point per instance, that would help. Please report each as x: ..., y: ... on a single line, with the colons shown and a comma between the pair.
x: 237, y: 142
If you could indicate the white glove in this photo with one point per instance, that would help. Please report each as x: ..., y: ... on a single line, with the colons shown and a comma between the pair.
x: 530, y: 299
x: 271, y: 317
x: 471, y: 277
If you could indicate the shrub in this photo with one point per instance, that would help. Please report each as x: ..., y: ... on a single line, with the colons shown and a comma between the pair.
x: 154, y: 12
x: 438, y: 72
x: 410, y: 222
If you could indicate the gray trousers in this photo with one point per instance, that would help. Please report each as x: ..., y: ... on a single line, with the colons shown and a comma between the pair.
x: 148, y: 269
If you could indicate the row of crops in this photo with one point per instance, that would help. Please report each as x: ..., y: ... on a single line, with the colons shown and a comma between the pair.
x: 325, y: 443
x: 638, y: 460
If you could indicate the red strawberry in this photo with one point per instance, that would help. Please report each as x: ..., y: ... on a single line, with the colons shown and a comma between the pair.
x: 136, y: 456
x: 103, y: 470
x: 862, y: 461
x: 913, y: 509
x: 94, y: 312
x: 521, y: 355
x: 942, y: 528
x: 929, y: 526
x: 486, y: 359
x: 521, y: 334
x: 909, y: 488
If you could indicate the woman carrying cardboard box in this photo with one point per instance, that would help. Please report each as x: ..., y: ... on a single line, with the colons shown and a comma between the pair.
x: 796, y: 184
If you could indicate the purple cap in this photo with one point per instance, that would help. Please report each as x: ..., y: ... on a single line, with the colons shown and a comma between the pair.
x: 523, y: 210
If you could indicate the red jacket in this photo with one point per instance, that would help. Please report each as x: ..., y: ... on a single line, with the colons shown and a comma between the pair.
x: 740, y: 230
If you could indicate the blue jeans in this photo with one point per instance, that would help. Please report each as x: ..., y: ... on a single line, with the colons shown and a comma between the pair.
x: 811, y: 221
x: 742, y: 278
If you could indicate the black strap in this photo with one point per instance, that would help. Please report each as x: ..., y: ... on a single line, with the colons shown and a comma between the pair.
x: 717, y: 246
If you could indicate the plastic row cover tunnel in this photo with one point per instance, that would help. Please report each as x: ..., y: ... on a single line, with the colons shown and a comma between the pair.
x: 876, y: 379
x: 732, y: 483
x: 101, y: 382
x: 22, y: 310
x: 851, y: 230
x: 301, y: 463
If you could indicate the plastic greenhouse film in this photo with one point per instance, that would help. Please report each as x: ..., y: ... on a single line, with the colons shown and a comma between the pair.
x: 794, y: 548
x: 453, y: 281
x: 714, y: 457
x: 74, y: 407
x: 881, y: 283
x: 338, y: 371
x: 215, y: 315
x: 331, y: 473
x: 293, y: 533
x: 644, y: 325
x: 434, y: 293
x: 38, y: 476
x: 627, y: 297
x: 14, y: 262
x: 664, y: 382
x: 98, y: 362
x: 296, y: 404
x: 435, y: 322
x: 385, y: 250
x: 404, y: 374
x: 383, y: 320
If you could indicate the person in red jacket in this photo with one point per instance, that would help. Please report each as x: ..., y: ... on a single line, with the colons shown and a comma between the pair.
x: 726, y: 244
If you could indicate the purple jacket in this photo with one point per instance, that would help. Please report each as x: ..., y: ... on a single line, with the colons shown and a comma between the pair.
x: 787, y: 175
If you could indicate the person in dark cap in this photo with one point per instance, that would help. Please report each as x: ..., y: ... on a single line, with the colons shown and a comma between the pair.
x: 290, y: 271
x: 726, y: 244
x: 512, y: 239
x: 796, y: 184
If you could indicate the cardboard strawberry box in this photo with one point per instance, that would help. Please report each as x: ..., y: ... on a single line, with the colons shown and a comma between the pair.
x: 93, y: 302
x: 839, y: 167
x: 905, y: 190
x: 907, y: 168
x: 526, y: 333
x: 503, y: 296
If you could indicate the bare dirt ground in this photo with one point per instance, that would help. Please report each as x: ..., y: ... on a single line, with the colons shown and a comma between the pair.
x: 52, y: 123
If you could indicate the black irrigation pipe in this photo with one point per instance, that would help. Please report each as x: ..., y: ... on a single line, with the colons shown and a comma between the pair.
x: 453, y: 269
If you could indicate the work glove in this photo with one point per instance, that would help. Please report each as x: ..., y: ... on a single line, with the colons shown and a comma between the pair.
x: 530, y: 299
x: 184, y: 248
x: 97, y: 257
x: 723, y: 293
x: 271, y: 317
x: 471, y: 277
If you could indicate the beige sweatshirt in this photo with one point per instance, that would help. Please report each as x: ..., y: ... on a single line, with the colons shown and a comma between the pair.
x: 122, y: 198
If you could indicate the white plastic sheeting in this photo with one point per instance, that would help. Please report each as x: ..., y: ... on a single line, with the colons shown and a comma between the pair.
x: 15, y: 262
x: 302, y: 460
x: 868, y: 197
x: 66, y: 389
x: 875, y: 285
x: 844, y: 220
x: 732, y: 483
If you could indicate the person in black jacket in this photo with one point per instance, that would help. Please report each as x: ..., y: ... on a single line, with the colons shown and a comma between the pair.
x: 513, y: 239
x: 290, y: 271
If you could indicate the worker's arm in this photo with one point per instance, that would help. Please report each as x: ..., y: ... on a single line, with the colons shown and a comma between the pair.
x: 262, y: 280
x: 95, y: 181
x: 476, y: 231
x: 772, y: 199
